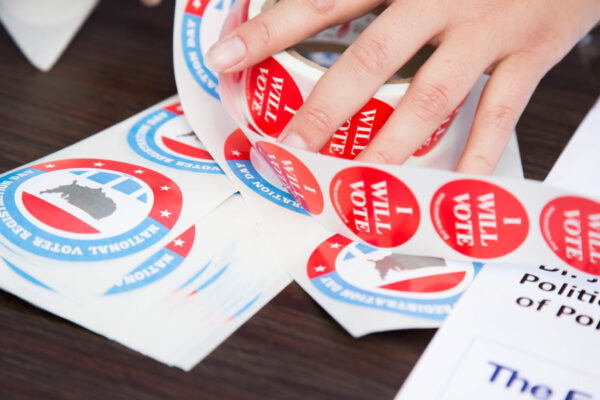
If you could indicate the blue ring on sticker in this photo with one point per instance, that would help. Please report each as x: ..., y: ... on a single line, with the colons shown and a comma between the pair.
x: 191, y: 37
x: 157, y: 266
x: 416, y: 287
x: 84, y: 210
x: 26, y: 276
x: 237, y: 154
x: 185, y: 155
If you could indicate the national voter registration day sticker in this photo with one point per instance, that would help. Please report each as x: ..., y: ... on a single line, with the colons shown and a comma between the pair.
x: 358, y: 274
x: 479, y: 219
x: 378, y: 207
x: 571, y: 227
x: 165, y: 137
x: 157, y: 266
x: 241, y: 158
x: 202, y: 21
x: 87, y: 209
x: 298, y: 179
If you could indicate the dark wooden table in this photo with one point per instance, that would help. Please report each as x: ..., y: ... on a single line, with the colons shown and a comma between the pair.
x: 120, y: 64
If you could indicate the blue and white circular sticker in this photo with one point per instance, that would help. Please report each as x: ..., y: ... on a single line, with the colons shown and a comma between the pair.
x: 200, y: 28
x: 87, y: 209
x: 358, y: 274
x: 165, y: 137
x: 249, y: 166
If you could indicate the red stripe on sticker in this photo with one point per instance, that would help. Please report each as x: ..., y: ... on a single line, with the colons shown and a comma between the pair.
x: 428, y: 284
x: 185, y: 149
x: 55, y: 217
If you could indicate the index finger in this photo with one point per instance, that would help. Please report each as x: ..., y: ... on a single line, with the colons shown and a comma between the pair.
x: 284, y: 24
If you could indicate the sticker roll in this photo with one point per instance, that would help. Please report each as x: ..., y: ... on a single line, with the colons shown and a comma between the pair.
x: 279, y: 85
x: 424, y: 211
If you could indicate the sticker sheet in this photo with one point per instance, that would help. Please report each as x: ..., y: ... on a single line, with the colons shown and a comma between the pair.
x: 366, y: 289
x: 523, y: 331
x: 180, y: 303
x: 85, y: 215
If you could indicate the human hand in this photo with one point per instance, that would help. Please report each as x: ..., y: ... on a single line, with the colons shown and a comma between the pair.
x: 515, y: 41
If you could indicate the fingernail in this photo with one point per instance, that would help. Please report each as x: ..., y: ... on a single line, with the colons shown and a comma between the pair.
x: 225, y: 54
x: 294, y: 140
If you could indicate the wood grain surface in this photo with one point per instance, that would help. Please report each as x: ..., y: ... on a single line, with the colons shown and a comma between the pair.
x: 119, y: 64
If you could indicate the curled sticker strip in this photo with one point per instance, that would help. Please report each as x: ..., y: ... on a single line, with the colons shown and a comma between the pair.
x: 424, y: 211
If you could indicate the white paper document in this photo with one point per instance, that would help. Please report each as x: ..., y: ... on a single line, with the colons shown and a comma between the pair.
x: 529, y: 331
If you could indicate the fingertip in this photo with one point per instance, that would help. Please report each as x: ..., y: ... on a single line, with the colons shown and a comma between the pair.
x: 225, y: 54
x: 294, y: 140
x: 475, y: 165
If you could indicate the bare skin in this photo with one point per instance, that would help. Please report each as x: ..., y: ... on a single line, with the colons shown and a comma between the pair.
x: 515, y: 41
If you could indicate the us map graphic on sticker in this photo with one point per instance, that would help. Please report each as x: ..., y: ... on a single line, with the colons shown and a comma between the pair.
x: 200, y: 28
x: 358, y: 274
x: 165, y: 137
x: 87, y: 209
x: 250, y: 167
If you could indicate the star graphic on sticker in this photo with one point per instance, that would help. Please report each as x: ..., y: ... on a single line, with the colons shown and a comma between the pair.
x: 335, y: 245
x: 178, y: 242
x: 138, y: 171
x: 98, y: 164
x: 320, y: 268
x: 165, y: 213
x: 197, y: 4
x: 49, y: 166
x: 236, y: 153
x: 165, y: 188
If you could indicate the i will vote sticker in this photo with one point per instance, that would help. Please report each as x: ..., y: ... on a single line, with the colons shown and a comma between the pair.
x: 272, y: 96
x: 298, y: 179
x: 356, y: 133
x: 571, y: 227
x: 378, y: 207
x: 479, y: 219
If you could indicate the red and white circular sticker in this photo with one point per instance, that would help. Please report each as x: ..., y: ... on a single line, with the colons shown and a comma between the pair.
x: 571, y: 227
x: 272, y: 96
x: 479, y: 219
x: 300, y: 182
x: 352, y: 137
x: 435, y: 137
x: 375, y: 205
